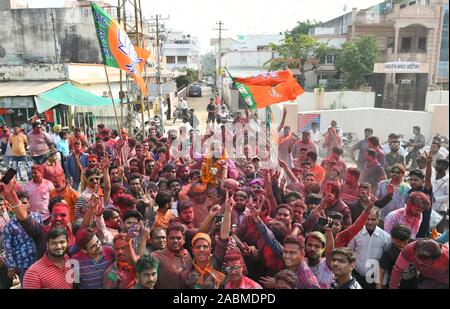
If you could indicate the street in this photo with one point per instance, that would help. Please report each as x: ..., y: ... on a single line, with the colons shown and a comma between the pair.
x: 199, y: 105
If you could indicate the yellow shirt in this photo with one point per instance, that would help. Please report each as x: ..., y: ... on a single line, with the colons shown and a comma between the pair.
x: 18, y: 144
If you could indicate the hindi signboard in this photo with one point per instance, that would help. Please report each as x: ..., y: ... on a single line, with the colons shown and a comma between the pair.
x: 401, y: 67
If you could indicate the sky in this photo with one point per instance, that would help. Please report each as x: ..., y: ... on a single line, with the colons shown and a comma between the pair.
x: 240, y: 17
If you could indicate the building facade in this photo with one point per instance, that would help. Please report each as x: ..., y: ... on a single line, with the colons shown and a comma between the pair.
x: 412, y: 37
x: 181, y: 51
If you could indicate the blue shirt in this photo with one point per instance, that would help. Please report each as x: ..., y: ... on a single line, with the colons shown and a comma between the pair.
x: 91, y: 271
x: 63, y: 146
x: 72, y: 167
x: 20, y: 247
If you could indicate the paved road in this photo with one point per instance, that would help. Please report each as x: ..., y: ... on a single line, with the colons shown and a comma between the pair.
x: 199, y: 105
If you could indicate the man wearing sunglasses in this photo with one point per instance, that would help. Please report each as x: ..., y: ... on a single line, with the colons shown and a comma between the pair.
x: 429, y: 258
x: 394, y: 191
x: 93, y: 187
x: 235, y: 269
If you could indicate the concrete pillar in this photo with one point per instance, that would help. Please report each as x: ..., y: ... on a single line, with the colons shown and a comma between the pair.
x: 397, y: 31
x: 432, y: 33
x: 353, y: 22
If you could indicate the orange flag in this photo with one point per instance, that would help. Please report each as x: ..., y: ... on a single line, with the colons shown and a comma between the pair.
x: 264, y: 90
x: 116, y: 47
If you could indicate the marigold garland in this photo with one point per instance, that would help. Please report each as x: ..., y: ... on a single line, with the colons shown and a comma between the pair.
x: 210, y: 170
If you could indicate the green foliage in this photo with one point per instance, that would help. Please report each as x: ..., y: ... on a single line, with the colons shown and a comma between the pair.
x: 302, y: 27
x: 356, y: 60
x: 297, y: 50
x: 190, y: 77
x: 208, y: 64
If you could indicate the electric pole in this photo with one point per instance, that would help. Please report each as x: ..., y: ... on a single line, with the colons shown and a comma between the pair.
x: 159, y: 29
x: 219, y: 60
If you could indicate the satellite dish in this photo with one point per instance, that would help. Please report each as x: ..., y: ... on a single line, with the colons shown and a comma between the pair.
x: 2, y: 52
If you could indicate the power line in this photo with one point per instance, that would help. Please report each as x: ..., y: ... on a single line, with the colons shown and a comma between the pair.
x: 159, y: 28
x: 219, y: 60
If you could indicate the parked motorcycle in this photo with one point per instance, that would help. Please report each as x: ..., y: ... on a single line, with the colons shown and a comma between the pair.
x: 182, y: 114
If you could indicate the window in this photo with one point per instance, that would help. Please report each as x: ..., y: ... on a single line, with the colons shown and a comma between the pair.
x: 170, y: 59
x: 182, y: 59
x: 391, y: 43
x: 330, y: 59
x: 406, y: 44
x: 422, y: 45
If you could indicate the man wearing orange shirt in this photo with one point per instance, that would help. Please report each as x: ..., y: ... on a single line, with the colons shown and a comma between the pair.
x: 316, y: 169
x: 67, y: 194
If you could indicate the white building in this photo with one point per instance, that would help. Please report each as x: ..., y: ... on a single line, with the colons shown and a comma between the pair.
x: 181, y: 51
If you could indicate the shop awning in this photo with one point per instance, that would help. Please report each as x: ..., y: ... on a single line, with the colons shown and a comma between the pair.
x: 26, y: 88
x: 67, y: 94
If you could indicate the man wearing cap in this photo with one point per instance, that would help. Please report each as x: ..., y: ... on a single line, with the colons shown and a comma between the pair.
x: 204, y: 272
x: 55, y: 136
x: 39, y: 142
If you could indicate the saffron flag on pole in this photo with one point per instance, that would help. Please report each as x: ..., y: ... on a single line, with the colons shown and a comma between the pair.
x: 263, y: 90
x: 116, y: 47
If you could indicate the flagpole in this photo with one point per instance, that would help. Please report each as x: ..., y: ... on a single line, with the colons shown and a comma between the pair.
x: 257, y: 122
x: 112, y: 99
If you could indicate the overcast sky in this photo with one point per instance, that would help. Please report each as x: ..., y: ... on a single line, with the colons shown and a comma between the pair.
x: 199, y: 17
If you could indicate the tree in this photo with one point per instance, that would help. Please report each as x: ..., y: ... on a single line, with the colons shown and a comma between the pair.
x: 295, y: 51
x: 302, y: 27
x: 208, y: 64
x: 356, y: 60
x: 190, y: 77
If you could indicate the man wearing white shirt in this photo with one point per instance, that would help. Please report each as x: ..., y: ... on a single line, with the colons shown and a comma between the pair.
x: 315, y: 135
x: 387, y: 147
x: 435, y: 149
x: 369, y: 245
x: 440, y: 187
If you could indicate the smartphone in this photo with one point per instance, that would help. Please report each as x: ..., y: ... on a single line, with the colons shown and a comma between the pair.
x: 322, y: 221
x: 218, y: 220
x: 8, y: 176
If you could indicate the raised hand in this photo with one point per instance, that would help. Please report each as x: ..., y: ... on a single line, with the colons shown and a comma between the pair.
x: 282, y: 163
x: 429, y: 156
x: 215, y: 210
x: 105, y: 163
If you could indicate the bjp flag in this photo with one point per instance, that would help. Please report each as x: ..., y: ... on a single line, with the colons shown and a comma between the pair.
x: 263, y: 90
x: 116, y: 47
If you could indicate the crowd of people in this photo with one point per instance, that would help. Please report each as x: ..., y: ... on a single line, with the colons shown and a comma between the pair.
x: 183, y: 211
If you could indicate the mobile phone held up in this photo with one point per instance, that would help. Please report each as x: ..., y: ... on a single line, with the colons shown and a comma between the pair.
x: 8, y: 176
x: 322, y: 221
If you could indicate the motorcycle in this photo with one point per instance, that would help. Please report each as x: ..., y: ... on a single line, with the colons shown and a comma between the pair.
x: 181, y: 114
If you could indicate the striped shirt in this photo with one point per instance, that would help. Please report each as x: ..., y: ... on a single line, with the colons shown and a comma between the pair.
x: 91, y: 272
x: 45, y: 275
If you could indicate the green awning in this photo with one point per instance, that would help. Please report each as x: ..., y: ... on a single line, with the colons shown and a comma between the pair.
x: 67, y: 94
